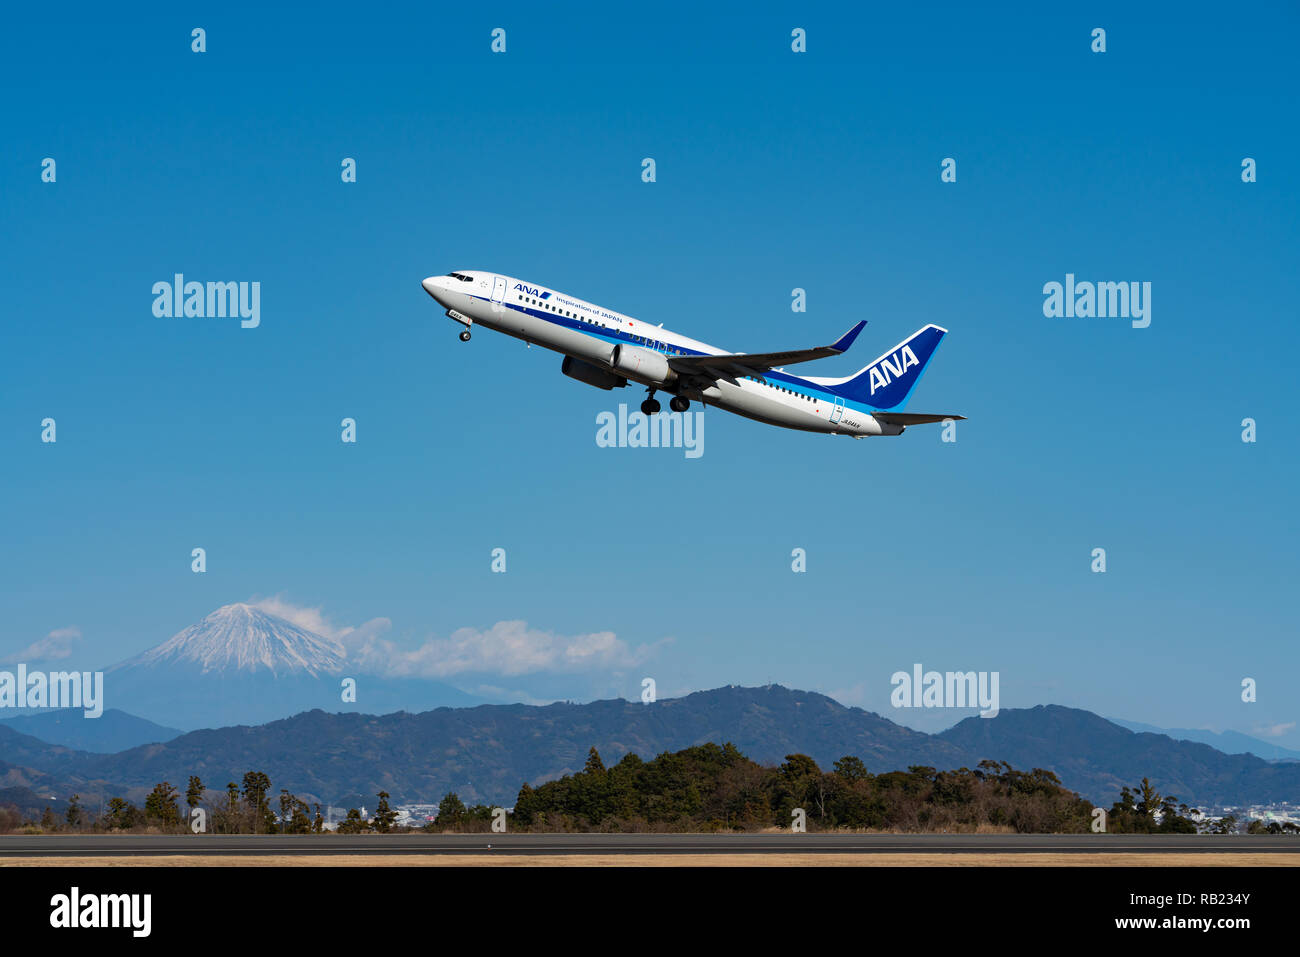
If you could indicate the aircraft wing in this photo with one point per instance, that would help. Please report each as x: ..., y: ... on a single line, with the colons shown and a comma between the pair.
x: 734, y: 364
x: 911, y: 418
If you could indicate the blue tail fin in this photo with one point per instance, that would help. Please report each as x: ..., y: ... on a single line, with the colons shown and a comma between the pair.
x: 887, y: 382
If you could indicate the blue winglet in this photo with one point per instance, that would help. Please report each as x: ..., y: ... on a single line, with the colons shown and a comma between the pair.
x: 843, y: 342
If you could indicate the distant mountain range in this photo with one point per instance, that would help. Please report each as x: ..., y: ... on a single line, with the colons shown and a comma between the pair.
x: 1229, y: 742
x: 112, y: 731
x: 241, y: 665
x: 485, y: 753
x: 1097, y: 757
x: 268, y: 693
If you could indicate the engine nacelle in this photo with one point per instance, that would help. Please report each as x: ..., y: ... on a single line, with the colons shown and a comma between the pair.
x: 644, y: 365
x: 590, y: 374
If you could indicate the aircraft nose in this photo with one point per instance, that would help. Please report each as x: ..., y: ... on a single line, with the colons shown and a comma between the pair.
x: 431, y: 285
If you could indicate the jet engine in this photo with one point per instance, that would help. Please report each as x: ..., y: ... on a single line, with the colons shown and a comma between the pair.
x: 644, y: 365
x: 590, y: 374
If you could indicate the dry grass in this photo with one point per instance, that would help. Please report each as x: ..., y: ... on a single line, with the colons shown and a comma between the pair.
x: 1089, y: 859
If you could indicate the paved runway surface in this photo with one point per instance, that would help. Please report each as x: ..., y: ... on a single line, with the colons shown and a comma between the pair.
x: 104, y: 845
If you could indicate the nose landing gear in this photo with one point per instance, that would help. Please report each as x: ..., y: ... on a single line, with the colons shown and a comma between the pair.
x: 465, y: 321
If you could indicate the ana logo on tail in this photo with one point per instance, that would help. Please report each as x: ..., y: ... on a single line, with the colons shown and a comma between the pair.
x: 892, y: 367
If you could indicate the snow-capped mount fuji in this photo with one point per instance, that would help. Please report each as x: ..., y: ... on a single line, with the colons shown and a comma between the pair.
x: 243, y: 665
x: 239, y: 637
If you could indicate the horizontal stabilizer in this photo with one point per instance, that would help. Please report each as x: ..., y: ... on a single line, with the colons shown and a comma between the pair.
x: 911, y: 418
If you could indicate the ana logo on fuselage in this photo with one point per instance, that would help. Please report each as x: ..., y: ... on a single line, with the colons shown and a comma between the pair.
x: 890, y: 369
x: 530, y: 291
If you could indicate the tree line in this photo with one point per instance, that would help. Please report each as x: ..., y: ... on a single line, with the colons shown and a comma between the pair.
x: 709, y: 787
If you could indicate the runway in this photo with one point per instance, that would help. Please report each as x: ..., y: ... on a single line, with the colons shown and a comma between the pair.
x: 487, y: 845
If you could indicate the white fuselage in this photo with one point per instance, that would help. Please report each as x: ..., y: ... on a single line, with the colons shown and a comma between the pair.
x: 591, y: 333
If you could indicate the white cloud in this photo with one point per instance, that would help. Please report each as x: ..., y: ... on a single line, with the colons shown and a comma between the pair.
x: 314, y: 620
x: 57, y: 645
x: 1273, y: 730
x: 508, y: 648
x: 310, y: 618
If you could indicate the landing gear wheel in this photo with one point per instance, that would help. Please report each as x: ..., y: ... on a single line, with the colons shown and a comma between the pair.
x: 464, y: 336
x: 678, y: 404
x: 650, y: 407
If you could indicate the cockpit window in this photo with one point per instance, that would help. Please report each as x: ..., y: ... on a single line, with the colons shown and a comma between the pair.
x: 461, y: 276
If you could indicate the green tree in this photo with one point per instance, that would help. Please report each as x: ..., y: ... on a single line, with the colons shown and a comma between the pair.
x: 122, y: 814
x: 74, y: 811
x: 228, y: 821
x: 851, y: 768
x: 1176, y: 818
x: 526, y: 805
x: 594, y: 764
x: 1224, y: 825
x: 451, y: 811
x: 384, y: 815
x: 1149, y: 799
x: 160, y: 805
x: 354, y: 823
x: 799, y: 784
x: 256, y: 784
x: 194, y: 793
x: 1147, y: 811
x: 293, y: 814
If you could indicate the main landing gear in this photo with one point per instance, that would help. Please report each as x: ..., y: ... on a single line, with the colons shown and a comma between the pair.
x: 651, y: 405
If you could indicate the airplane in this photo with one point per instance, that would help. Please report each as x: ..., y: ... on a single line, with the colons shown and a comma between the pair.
x: 608, y: 350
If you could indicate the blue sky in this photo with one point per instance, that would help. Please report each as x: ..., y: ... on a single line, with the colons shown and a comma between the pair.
x: 774, y: 171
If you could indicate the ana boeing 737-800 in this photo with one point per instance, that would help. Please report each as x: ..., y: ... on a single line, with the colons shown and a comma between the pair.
x: 608, y: 350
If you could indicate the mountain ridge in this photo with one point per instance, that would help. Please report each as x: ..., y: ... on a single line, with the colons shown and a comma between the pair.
x: 485, y: 752
x: 1229, y: 741
x: 113, y: 731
